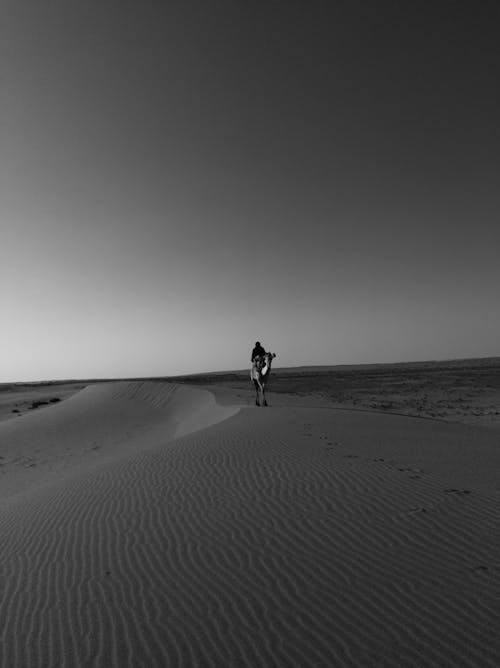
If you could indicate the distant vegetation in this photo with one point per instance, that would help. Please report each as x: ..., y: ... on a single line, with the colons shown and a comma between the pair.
x: 37, y: 404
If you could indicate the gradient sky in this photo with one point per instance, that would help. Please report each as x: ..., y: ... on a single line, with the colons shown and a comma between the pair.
x: 180, y: 179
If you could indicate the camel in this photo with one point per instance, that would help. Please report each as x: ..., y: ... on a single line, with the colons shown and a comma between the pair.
x: 259, y: 374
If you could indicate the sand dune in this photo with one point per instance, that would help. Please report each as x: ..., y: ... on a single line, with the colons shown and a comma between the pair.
x: 207, y: 535
x: 100, y: 422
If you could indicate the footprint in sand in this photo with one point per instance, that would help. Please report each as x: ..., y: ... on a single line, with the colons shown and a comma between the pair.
x: 460, y: 492
x: 480, y: 568
x: 416, y: 473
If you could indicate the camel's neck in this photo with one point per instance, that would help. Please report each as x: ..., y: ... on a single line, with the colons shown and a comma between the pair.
x: 266, y: 368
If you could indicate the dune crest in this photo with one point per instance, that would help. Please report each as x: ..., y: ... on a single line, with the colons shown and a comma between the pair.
x: 190, y: 408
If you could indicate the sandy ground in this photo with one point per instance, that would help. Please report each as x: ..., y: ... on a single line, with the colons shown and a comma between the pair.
x: 465, y: 391
x: 157, y: 524
x: 16, y: 399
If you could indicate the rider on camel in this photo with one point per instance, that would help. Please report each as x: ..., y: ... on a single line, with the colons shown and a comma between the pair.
x: 258, y: 351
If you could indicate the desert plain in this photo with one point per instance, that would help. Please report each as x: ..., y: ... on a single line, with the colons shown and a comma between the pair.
x: 171, y: 522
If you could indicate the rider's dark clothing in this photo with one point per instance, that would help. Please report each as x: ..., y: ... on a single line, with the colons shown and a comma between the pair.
x: 258, y: 350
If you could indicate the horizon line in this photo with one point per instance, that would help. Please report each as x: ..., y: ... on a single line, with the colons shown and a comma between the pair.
x: 359, y: 365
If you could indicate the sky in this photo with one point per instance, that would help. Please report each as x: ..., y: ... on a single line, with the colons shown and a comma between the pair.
x: 181, y: 179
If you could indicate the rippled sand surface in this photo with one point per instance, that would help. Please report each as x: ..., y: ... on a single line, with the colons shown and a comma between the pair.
x: 154, y: 524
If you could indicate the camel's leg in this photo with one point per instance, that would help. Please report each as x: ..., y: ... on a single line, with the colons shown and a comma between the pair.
x: 256, y: 392
x: 264, y: 396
